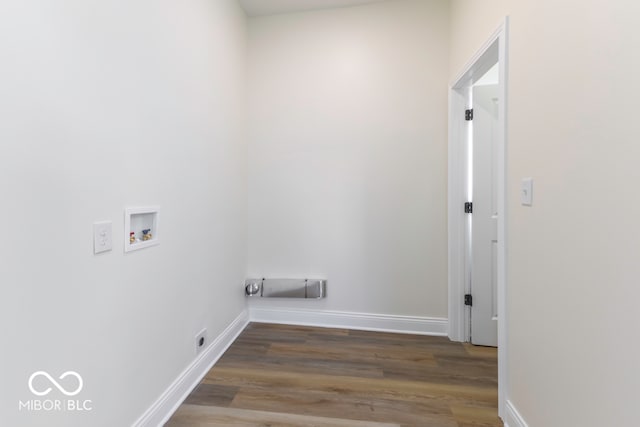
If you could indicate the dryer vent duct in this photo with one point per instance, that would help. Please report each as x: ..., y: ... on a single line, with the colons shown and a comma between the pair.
x: 286, y: 288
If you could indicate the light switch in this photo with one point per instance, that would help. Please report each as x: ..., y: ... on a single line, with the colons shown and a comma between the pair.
x: 102, y: 237
x: 526, y: 192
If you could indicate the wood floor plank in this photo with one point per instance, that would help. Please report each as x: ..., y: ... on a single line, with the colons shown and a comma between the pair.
x: 348, y: 406
x: 475, y: 416
x: 208, y: 416
x: 389, y: 388
x: 438, y: 375
x: 307, y: 365
x: 480, y: 351
x: 355, y: 352
x: 212, y: 395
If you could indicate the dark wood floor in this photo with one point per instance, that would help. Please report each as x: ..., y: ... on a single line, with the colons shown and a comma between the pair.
x: 292, y: 376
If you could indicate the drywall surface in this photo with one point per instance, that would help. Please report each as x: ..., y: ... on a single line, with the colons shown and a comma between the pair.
x: 472, y: 22
x: 107, y: 105
x: 274, y: 7
x: 573, y: 257
x: 347, y: 155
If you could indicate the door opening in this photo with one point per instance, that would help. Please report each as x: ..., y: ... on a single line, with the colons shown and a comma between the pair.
x: 477, y: 183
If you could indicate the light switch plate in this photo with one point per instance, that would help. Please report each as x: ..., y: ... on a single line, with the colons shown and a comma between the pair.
x: 102, y: 237
x: 526, y: 192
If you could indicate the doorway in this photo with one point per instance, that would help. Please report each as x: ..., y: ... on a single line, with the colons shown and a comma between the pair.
x: 477, y: 202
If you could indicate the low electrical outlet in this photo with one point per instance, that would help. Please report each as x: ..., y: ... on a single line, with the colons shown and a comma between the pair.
x: 201, y: 340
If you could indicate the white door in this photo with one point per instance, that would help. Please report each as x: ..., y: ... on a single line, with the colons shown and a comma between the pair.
x: 484, y: 218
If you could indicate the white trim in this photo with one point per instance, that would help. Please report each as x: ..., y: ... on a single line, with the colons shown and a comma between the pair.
x: 503, y: 323
x: 350, y: 320
x: 457, y: 221
x: 494, y: 48
x: 463, y: 76
x: 512, y: 417
x: 169, y: 401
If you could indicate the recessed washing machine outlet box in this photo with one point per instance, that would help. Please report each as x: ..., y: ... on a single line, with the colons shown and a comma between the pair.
x: 141, y: 228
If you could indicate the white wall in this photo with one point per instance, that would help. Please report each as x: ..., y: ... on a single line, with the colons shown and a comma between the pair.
x: 574, y: 254
x: 573, y: 257
x: 471, y: 24
x: 106, y: 105
x: 347, y: 155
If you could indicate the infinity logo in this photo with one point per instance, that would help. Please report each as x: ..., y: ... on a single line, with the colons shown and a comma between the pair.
x: 55, y: 383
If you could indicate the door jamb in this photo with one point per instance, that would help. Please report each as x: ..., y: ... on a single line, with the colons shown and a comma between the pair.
x: 495, y: 48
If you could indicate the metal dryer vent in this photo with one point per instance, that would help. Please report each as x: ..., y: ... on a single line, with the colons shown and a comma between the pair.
x: 286, y: 288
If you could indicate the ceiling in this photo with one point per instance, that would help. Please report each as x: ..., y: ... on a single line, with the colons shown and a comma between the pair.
x: 273, y: 7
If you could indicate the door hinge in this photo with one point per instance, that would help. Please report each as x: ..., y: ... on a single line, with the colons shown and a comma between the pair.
x: 468, y: 114
x: 468, y: 207
x: 468, y: 300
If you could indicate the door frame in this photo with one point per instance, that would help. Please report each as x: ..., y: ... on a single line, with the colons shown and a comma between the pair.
x: 494, y: 49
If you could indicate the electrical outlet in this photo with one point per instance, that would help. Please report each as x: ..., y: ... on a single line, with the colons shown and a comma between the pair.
x: 201, y: 340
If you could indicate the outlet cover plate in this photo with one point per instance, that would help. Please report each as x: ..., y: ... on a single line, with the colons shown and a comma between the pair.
x: 526, y: 192
x: 102, y: 237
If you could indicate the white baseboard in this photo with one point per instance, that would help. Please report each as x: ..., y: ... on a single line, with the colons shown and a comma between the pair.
x: 160, y: 412
x: 512, y: 417
x: 349, y: 320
